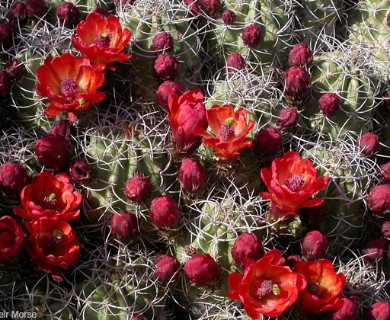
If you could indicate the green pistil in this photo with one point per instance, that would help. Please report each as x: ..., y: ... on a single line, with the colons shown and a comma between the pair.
x: 229, y: 122
x: 275, y: 290
x: 52, y: 197
x: 58, y: 234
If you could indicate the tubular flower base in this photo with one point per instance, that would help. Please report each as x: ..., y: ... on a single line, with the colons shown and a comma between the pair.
x: 267, y: 288
x: 70, y: 83
x: 229, y: 130
x: 291, y: 181
x: 49, y: 196
x: 102, y: 41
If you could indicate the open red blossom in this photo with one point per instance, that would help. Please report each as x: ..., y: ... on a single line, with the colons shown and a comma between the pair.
x: 49, y: 196
x: 291, y: 181
x: 186, y: 112
x: 323, y: 288
x: 267, y: 288
x: 53, y: 245
x: 102, y: 40
x: 228, y: 131
x: 11, y: 238
x: 70, y: 83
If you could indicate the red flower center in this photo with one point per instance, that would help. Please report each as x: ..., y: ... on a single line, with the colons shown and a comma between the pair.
x: 313, y: 288
x: 49, y: 202
x: 52, y: 243
x: 69, y: 88
x: 226, y: 132
x: 103, y: 40
x: 265, y: 289
x: 295, y: 182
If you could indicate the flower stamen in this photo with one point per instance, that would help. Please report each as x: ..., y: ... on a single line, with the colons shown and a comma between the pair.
x: 69, y: 88
x: 103, y: 40
x: 295, y: 182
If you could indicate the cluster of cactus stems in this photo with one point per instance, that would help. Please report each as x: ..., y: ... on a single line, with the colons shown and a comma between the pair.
x: 176, y: 211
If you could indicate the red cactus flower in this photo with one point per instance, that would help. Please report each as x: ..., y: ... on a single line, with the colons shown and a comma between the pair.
x: 124, y: 226
x: 315, y: 245
x: 300, y: 55
x: 13, y: 178
x: 49, y: 196
x: 70, y: 83
x: 162, y: 41
x: 228, y: 17
x: 378, y: 200
x: 329, y: 103
x: 17, y: 13
x: 291, y: 181
x: 192, y: 177
x: 11, y: 238
x: 235, y: 62
x: 165, y: 90
x: 165, y: 214
x: 267, y: 142
x: 202, y: 270
x: 186, y: 112
x: 229, y: 130
x: 267, y: 288
x: 138, y: 188
x: 53, y: 151
x: 68, y: 14
x: 247, y: 246
x: 102, y: 41
x: 80, y: 172
x: 347, y: 311
x: 378, y: 311
x: 166, y: 66
x: 369, y: 144
x: 296, y: 81
x: 166, y: 268
x: 53, y: 245
x: 251, y: 36
x: 287, y: 119
x: 323, y: 288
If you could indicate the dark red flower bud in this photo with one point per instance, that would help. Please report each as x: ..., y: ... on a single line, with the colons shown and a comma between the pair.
x: 166, y: 268
x: 378, y: 199
x: 375, y: 249
x: 53, y: 151
x: 267, y: 142
x: 165, y: 213
x: 329, y: 104
x: 80, y: 172
x: 165, y: 90
x: 17, y: 14
x: 313, y: 216
x: 386, y: 229
x: 124, y: 226
x: 247, y: 246
x: 62, y: 128
x: 296, y: 81
x: 166, y: 66
x: 36, y: 9
x: 388, y: 20
x: 235, y: 62
x: 192, y: 177
x: 102, y: 12
x: 385, y: 172
x: 14, y: 69
x: 228, y: 17
x: 7, y: 32
x: 315, y: 245
x: 251, y: 36
x: 300, y: 55
x: 287, y: 119
x: 369, y: 144
x: 195, y: 7
x: 378, y: 311
x: 212, y: 7
x: 139, y: 318
x: 291, y: 261
x: 202, y: 270
x: 13, y: 178
x: 5, y: 85
x: 162, y: 41
x: 68, y: 14
x: 138, y: 188
x: 386, y: 101
x: 347, y: 311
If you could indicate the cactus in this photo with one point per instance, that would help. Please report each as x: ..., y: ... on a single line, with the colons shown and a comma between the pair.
x: 273, y: 18
x: 332, y: 73
x: 144, y: 23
